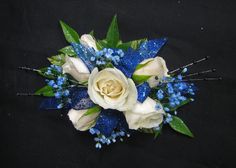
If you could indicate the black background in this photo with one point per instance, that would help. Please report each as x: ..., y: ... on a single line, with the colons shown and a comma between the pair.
x: 30, y: 32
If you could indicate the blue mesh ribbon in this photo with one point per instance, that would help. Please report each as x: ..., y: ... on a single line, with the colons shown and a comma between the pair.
x: 132, y: 58
x: 143, y: 91
x: 109, y: 120
x: 85, y: 54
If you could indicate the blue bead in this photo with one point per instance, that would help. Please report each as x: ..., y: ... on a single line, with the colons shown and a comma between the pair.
x: 51, y: 83
x: 92, y: 131
x: 98, y: 145
x: 166, y: 109
x: 60, y: 106
x: 110, y: 51
x: 92, y: 58
x: 58, y: 95
x: 179, y: 77
x: 160, y: 96
x: 122, y: 133
x: 172, y: 104
x: 184, y: 70
x: 66, y: 93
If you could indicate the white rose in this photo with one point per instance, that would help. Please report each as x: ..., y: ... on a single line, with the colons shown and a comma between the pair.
x: 89, y: 41
x: 80, y: 121
x: 154, y: 67
x: 144, y: 115
x: 110, y: 89
x: 76, y: 68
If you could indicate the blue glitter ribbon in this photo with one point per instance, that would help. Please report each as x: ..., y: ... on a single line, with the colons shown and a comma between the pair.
x: 110, y: 120
x: 85, y: 54
x: 80, y: 99
x: 132, y: 58
x: 143, y: 91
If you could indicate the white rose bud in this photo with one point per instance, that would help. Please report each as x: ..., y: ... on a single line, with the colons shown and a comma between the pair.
x: 154, y: 67
x: 111, y: 89
x: 80, y: 121
x: 76, y: 68
x: 89, y: 41
x: 145, y: 115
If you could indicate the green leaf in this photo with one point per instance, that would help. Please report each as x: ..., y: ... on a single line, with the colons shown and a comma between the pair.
x: 70, y: 34
x: 113, y: 36
x: 136, y: 43
x: 124, y: 46
x: 178, y: 106
x: 147, y: 130
x: 152, y: 131
x: 93, y: 110
x: 42, y: 72
x: 91, y: 33
x: 57, y: 59
x: 178, y: 125
x: 140, y: 78
x: 107, y: 65
x: 101, y: 44
x: 68, y: 50
x: 45, y: 91
x: 158, y: 132
x: 139, y: 66
x: 131, y: 44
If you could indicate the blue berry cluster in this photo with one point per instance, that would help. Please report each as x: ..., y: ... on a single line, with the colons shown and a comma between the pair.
x: 59, y: 86
x: 175, y: 92
x: 53, y: 69
x: 168, y: 118
x: 107, y: 55
x: 102, y: 139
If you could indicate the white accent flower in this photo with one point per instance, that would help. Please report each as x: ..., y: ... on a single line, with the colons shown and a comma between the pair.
x: 76, y: 68
x: 110, y: 89
x: 145, y: 115
x: 89, y: 41
x: 154, y: 67
x: 80, y: 121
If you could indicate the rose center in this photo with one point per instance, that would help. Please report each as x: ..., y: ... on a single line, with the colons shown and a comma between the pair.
x: 110, y: 88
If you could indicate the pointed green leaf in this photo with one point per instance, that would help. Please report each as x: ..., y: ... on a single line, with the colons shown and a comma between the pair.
x: 140, y: 78
x: 113, y: 36
x: 45, y: 91
x: 157, y: 133
x: 136, y: 43
x: 125, y: 46
x: 139, y: 66
x: 147, y: 130
x: 68, y: 50
x: 57, y: 59
x: 93, y: 110
x: 70, y: 34
x: 152, y: 131
x: 101, y: 44
x: 131, y: 44
x: 91, y: 33
x: 42, y: 72
x: 178, y: 125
